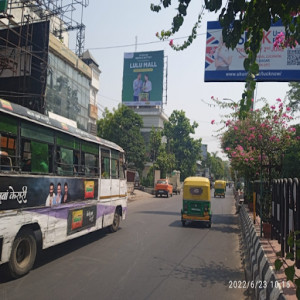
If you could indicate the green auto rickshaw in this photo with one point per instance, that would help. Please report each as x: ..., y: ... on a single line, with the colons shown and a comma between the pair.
x: 220, y: 188
x: 196, y: 201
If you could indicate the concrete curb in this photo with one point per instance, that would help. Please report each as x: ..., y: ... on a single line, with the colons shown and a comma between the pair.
x: 263, y: 279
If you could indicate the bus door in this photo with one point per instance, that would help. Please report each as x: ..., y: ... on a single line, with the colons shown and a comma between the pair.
x: 105, y: 185
x: 115, y: 182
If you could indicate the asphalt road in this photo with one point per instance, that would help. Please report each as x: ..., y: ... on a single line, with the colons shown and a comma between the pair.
x: 151, y: 257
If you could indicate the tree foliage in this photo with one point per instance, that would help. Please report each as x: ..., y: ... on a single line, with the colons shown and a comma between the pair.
x: 123, y: 126
x: 216, y: 165
x: 291, y: 161
x: 163, y: 159
x: 236, y: 17
x: 154, y: 143
x: 186, y: 149
x: 294, y: 96
x: 259, y: 141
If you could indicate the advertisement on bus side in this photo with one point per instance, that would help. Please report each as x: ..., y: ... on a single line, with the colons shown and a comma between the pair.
x: 46, y: 191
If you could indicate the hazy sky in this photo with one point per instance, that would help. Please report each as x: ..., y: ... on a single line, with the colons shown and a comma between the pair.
x: 116, y: 23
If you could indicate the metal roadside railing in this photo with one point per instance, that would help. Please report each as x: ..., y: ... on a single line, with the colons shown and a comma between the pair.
x: 286, y: 213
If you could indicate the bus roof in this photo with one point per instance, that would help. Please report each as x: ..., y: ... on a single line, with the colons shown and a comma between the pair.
x: 35, y: 117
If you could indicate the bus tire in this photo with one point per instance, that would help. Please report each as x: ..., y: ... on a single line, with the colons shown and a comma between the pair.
x: 116, y: 222
x: 23, y: 253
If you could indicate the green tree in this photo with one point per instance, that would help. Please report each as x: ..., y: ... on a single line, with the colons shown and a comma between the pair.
x: 216, y: 165
x: 154, y: 143
x: 187, y: 150
x: 294, y: 96
x: 291, y: 161
x: 123, y: 126
x: 165, y: 161
x: 236, y: 17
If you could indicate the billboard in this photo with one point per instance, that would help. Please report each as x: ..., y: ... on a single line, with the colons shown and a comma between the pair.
x: 223, y: 64
x: 143, y: 78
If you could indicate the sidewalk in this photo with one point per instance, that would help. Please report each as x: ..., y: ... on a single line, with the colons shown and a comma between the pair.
x: 271, y: 247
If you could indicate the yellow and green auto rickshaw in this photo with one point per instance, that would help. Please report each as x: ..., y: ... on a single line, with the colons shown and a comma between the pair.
x: 196, y: 200
x: 220, y: 188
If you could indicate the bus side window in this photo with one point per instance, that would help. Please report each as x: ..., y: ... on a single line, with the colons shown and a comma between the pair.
x: 76, y: 162
x: 115, y: 164
x: 122, y: 167
x: 26, y: 156
x: 39, y: 157
x: 5, y: 161
x: 8, y: 145
x: 64, y: 161
x: 91, y: 163
x: 105, y: 164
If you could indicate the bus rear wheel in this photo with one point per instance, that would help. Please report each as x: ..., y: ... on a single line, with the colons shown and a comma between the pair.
x: 116, y: 222
x: 23, y: 254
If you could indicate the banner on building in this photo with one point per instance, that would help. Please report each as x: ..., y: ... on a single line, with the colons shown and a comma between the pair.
x: 223, y: 64
x: 143, y: 78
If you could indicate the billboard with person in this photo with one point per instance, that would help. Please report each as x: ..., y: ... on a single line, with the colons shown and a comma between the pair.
x: 143, y: 78
x: 223, y: 64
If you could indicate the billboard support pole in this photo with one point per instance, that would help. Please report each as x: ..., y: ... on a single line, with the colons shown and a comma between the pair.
x: 166, y: 87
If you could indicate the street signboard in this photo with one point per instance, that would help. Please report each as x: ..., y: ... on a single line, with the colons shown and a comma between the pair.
x: 143, y: 78
x: 223, y: 64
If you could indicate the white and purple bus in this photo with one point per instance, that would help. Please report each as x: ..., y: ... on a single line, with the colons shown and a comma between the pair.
x: 56, y: 183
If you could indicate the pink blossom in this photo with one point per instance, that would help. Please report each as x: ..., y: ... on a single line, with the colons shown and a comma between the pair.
x: 157, y: 34
x: 278, y: 100
x: 292, y: 129
x: 252, y: 128
x: 235, y: 128
x: 171, y: 43
x: 280, y: 105
x: 273, y: 107
x: 227, y: 148
x: 246, y: 159
x: 212, y: 122
x: 298, y: 137
x: 288, y: 108
x: 251, y: 158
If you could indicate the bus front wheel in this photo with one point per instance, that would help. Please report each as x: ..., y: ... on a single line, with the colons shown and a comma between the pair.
x: 116, y: 222
x: 23, y: 253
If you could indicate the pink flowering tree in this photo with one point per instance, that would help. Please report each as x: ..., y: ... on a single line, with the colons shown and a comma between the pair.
x: 257, y: 143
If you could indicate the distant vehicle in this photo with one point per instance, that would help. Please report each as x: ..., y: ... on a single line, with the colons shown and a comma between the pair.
x: 163, y: 187
x: 196, y: 206
x: 220, y: 188
x: 174, y: 179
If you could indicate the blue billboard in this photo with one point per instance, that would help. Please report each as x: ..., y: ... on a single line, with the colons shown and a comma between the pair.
x: 223, y: 64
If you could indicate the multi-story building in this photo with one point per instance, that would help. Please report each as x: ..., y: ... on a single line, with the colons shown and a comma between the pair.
x: 39, y: 71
